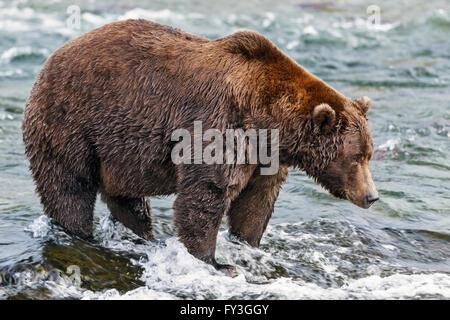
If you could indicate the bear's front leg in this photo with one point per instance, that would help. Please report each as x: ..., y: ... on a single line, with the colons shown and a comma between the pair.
x: 199, y: 208
x: 250, y: 212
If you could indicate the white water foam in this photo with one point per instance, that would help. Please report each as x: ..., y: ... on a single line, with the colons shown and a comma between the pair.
x: 164, y: 14
x: 13, y: 52
x: 390, y: 145
x: 18, y: 20
x: 40, y: 227
x: 170, y: 272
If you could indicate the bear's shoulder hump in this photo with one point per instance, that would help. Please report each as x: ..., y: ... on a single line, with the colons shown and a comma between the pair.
x: 250, y: 44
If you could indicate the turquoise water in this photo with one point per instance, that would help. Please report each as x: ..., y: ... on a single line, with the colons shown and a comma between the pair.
x: 316, y: 247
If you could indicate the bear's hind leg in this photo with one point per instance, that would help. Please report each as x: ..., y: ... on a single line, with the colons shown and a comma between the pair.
x: 68, y: 196
x: 133, y: 213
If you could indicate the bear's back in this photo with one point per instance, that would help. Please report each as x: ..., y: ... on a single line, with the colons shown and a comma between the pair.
x: 116, y: 71
x: 106, y: 58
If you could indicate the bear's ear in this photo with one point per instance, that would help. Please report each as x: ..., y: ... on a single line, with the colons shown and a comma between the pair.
x: 324, y: 117
x: 364, y: 103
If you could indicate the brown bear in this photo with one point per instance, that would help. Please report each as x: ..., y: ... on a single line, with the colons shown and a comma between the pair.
x: 101, y: 113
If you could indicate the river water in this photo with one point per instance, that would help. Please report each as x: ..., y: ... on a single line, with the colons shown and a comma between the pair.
x: 316, y: 247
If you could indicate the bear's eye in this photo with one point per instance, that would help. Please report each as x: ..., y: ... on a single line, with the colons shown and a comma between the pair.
x: 356, y: 159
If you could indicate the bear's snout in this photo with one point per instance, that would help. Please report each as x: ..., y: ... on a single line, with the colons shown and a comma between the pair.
x: 370, y: 199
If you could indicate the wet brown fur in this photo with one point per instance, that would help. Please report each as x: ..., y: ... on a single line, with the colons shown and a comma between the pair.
x: 102, y: 110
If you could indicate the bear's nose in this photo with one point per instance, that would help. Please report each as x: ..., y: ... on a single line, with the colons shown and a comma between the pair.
x: 370, y: 199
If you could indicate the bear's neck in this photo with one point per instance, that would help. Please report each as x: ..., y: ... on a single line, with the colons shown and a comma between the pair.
x: 304, y: 148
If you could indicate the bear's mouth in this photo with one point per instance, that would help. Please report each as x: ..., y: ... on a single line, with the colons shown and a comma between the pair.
x: 341, y: 195
x: 362, y: 203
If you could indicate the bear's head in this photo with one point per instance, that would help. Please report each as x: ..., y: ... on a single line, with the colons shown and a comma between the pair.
x: 347, y: 174
x: 322, y: 132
